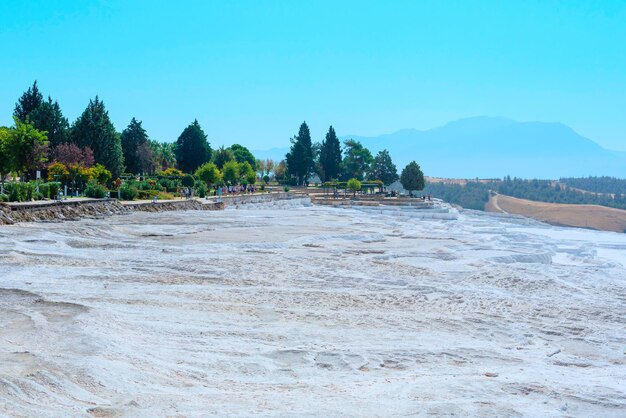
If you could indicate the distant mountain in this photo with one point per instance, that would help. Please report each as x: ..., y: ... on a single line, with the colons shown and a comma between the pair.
x: 489, y: 147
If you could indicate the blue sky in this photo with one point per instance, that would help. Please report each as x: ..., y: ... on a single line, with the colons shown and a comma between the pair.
x: 251, y: 71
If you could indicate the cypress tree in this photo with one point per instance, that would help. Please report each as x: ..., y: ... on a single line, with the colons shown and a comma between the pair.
x: 94, y: 129
x: 300, y: 156
x: 330, y: 156
x: 135, y: 147
x: 192, y: 148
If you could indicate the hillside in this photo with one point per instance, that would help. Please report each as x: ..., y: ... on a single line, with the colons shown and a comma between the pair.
x: 583, y: 216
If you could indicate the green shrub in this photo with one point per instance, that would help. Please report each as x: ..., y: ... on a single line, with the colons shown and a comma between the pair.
x: 201, y: 189
x: 128, y: 192
x: 5, y: 198
x: 44, y: 189
x: 38, y: 196
x: 54, y: 187
x: 20, y: 192
x: 147, y: 194
x: 188, y: 180
x: 286, y: 188
x: 95, y: 190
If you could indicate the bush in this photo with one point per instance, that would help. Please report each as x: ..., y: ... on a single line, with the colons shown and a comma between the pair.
x: 201, y: 189
x: 53, y: 189
x: 44, y: 189
x: 95, y: 190
x: 188, y: 180
x: 354, y: 185
x: 147, y: 194
x: 20, y: 192
x: 144, y: 185
x: 286, y: 188
x: 5, y: 198
x: 128, y: 192
x: 101, y: 174
x: 38, y: 196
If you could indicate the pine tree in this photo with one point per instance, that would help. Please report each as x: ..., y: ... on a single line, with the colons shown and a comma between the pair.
x: 136, y: 149
x: 94, y: 129
x: 384, y: 169
x: 42, y: 115
x: 357, y: 160
x: 330, y: 156
x: 28, y: 102
x: 192, y: 148
x: 300, y: 156
x: 48, y: 117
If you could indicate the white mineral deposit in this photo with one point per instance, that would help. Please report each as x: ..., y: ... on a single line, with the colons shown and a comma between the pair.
x: 311, y: 311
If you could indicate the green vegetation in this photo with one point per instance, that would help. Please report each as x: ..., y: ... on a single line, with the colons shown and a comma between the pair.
x: 94, y: 129
x: 474, y: 195
x: 384, y: 169
x: 89, y: 157
x: 299, y: 159
x: 136, y: 148
x: 192, y: 148
x: 95, y: 190
x: 412, y: 177
x: 354, y: 185
x: 330, y: 157
x: 608, y: 185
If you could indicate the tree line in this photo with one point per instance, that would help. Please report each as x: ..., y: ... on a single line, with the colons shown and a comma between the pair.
x: 474, y: 194
x: 91, y: 149
x: 331, y: 162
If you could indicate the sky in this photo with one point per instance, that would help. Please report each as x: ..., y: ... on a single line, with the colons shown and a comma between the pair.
x: 252, y: 71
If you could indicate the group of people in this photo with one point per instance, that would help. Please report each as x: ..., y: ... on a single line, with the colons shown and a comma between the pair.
x: 238, y: 189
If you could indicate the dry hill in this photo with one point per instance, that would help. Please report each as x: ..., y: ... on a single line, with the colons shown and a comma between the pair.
x: 584, y: 216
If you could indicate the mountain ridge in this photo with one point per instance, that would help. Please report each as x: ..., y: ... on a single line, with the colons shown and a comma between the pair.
x: 493, y: 147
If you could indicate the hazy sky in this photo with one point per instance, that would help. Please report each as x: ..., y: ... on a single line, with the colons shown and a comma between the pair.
x: 252, y: 71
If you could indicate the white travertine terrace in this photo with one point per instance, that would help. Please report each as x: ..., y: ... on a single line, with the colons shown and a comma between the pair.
x: 311, y: 311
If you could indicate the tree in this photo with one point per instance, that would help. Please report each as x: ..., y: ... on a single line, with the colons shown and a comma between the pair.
x: 163, y: 156
x: 71, y: 154
x: 221, y: 156
x: 27, y: 146
x: 330, y: 157
x: 230, y: 172
x: 280, y: 170
x: 135, y: 146
x: 6, y: 158
x: 94, y: 129
x: 241, y: 154
x: 354, y: 185
x: 48, y: 117
x: 357, y: 160
x: 269, y: 166
x: 30, y: 100
x: 192, y: 148
x: 384, y: 169
x: 209, y: 173
x: 247, y: 173
x: 300, y: 156
x: 412, y: 177
x: 100, y: 174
